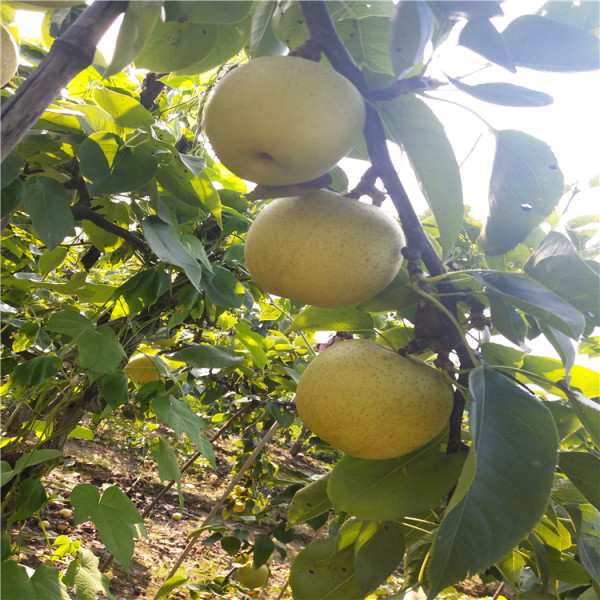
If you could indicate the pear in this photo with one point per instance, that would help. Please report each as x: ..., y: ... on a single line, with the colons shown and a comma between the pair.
x: 144, y: 368
x: 370, y: 402
x: 9, y: 56
x: 280, y: 120
x: 323, y: 249
x: 252, y: 578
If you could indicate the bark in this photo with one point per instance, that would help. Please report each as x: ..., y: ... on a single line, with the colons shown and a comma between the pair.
x: 70, y: 54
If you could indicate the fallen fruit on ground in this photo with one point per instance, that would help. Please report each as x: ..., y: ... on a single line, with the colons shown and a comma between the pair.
x: 144, y: 368
x: 371, y: 402
x: 323, y: 249
x: 279, y: 120
x: 9, y: 56
x: 252, y: 578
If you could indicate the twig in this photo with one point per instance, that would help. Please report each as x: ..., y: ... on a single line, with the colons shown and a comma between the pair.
x: 194, y: 538
x: 70, y: 54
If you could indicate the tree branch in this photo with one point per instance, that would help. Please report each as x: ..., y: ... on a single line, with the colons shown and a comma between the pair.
x: 70, y: 53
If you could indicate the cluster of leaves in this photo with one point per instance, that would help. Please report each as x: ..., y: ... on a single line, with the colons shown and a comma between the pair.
x: 122, y: 234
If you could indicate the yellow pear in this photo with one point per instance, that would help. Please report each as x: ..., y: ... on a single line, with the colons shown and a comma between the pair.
x: 9, y: 56
x: 323, y: 249
x: 144, y: 368
x: 371, y: 402
x: 252, y: 578
x: 279, y: 120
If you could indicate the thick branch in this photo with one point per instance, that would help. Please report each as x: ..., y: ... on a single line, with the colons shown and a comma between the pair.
x: 81, y: 211
x: 70, y: 53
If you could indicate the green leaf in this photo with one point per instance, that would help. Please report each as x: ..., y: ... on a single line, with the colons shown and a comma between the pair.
x: 556, y: 264
x: 504, y: 94
x: 310, y: 502
x: 253, y: 341
x: 31, y: 496
x: 116, y: 518
x: 207, y: 11
x: 86, y: 578
x: 565, y: 569
x: 588, y: 540
x: 468, y: 9
x: 583, y: 468
x: 204, y: 356
x: 563, y: 344
x: 588, y: 413
x: 411, y: 29
x: 139, y: 292
x: 587, y: 380
x: 262, y: 39
x: 114, y: 389
x: 127, y: 112
x: 52, y: 259
x: 43, y: 584
x: 514, y: 449
x: 229, y: 40
x: 178, y: 415
x: 530, y: 296
x: 167, y: 245
x: 26, y: 337
x: 139, y: 21
x: 381, y: 490
x: 414, y: 126
x: 584, y: 15
x: 12, y: 196
x: 173, y: 46
x: 47, y: 203
x: 378, y: 555
x: 321, y: 573
x: 168, y: 465
x: 111, y: 167
x: 223, y: 288
x: 176, y: 176
x: 35, y: 370
x: 506, y: 319
x: 349, y: 318
x: 35, y: 457
x: 480, y: 35
x: 170, y: 584
x: 100, y: 350
x: 68, y: 322
x: 6, y: 472
x: 539, y: 43
x: 263, y: 548
x: 525, y: 187
x: 11, y: 168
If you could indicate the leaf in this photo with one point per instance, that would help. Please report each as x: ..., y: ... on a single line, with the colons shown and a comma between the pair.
x: 114, y: 389
x: 588, y: 413
x: 588, y: 538
x: 525, y: 187
x: 263, y: 548
x: 482, y: 37
x: 139, y: 292
x: 35, y: 370
x: 383, y: 490
x: 99, y: 350
x: 319, y: 572
x: 68, y: 322
x: 116, y: 518
x: 52, y: 259
x: 539, y: 43
x: 348, y: 318
x: 533, y: 298
x: 468, y: 9
x: 168, y: 465
x: 111, y: 167
x: 310, y: 502
x: 563, y: 344
x: 253, y: 341
x: 10, y: 169
x: 514, y: 449
x: 84, y: 575
x: 414, y: 126
x: 178, y: 415
x: 582, y: 468
x: 43, y: 584
x: 173, y: 46
x: 31, y: 497
x: 556, y: 264
x: 262, y: 39
x: 506, y: 319
x: 584, y: 15
x: 223, y: 288
x: 47, y: 203
x: 170, y: 584
x: 587, y: 380
x: 166, y: 244
x: 411, y: 29
x: 207, y: 11
x: 378, y: 556
x: 35, y: 457
x: 504, y: 94
x: 127, y: 112
x: 204, y: 356
x: 139, y: 21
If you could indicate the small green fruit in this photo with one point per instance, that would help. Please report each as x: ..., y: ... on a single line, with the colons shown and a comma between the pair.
x: 252, y: 578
